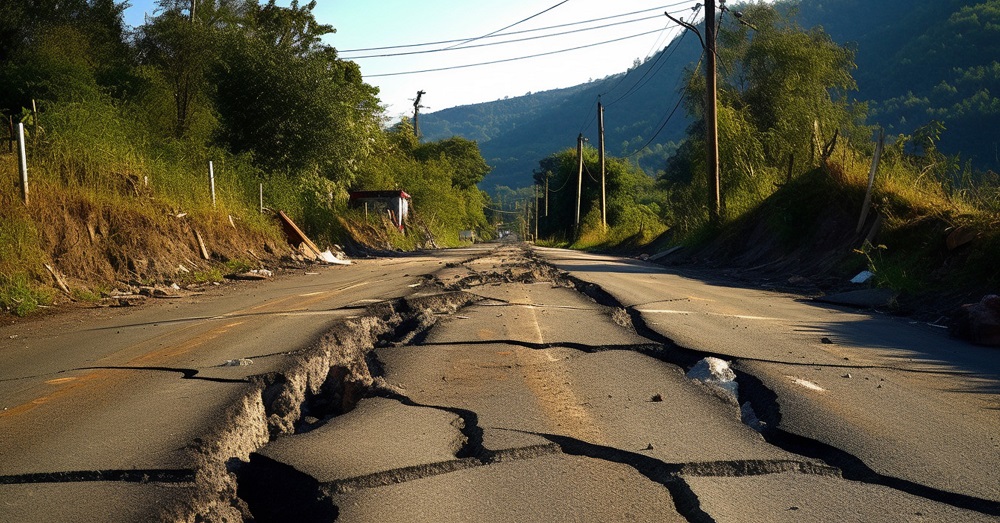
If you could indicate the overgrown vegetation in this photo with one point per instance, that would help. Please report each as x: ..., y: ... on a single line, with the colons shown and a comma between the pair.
x: 795, y: 151
x: 127, y: 123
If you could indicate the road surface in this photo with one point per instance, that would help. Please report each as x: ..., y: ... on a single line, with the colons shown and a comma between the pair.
x: 495, y: 384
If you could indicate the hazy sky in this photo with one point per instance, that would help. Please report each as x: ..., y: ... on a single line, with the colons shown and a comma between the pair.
x: 380, y: 23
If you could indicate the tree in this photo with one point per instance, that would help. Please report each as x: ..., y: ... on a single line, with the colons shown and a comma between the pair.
x: 184, y: 48
x: 51, y: 50
x: 469, y: 166
x: 287, y: 99
x: 779, y: 83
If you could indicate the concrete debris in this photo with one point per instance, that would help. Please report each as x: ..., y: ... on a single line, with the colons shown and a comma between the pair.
x: 863, y: 277
x: 959, y: 236
x: 241, y: 362
x: 256, y: 274
x: 328, y: 257
x: 665, y: 253
x: 715, y: 373
x: 159, y: 292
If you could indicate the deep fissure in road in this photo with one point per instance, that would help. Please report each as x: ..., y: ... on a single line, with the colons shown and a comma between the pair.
x: 330, y: 379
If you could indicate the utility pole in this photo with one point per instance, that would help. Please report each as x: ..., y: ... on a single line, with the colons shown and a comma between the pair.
x: 547, y: 173
x: 711, y: 104
x: 536, y: 212
x: 600, y: 139
x: 711, y: 115
x: 194, y: 5
x: 416, y: 113
x: 579, y: 182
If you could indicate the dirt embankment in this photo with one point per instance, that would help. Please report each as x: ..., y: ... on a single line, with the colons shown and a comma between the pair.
x: 86, y: 248
x: 806, y: 238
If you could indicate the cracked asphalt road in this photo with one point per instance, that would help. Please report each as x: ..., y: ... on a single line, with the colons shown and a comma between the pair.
x: 486, y: 385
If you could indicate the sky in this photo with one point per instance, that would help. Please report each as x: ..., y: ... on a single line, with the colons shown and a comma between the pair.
x: 363, y: 24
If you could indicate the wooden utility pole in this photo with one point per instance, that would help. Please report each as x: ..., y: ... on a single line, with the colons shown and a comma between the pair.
x: 711, y: 116
x: 416, y: 113
x: 34, y: 128
x: 547, y: 173
x: 536, y: 212
x: 579, y: 181
x: 600, y: 140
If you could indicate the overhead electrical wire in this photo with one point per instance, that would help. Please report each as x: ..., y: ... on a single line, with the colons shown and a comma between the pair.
x: 502, y: 211
x: 508, y: 27
x: 665, y: 57
x: 651, y: 72
x: 426, y: 51
x: 559, y: 26
x: 510, y: 59
x: 654, y: 68
x: 668, y: 117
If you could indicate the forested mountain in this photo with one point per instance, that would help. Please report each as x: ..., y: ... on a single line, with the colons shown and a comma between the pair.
x: 919, y: 61
x: 925, y: 61
x: 515, y: 133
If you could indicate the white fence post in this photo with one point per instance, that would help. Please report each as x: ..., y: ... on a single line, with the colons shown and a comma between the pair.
x: 211, y: 180
x: 22, y: 161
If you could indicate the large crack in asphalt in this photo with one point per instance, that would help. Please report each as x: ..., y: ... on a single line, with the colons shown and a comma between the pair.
x: 330, y: 378
x: 766, y: 406
x: 230, y: 481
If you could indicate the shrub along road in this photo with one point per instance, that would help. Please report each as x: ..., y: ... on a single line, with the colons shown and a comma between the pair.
x: 485, y: 384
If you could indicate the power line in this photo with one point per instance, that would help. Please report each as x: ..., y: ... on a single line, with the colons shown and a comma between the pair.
x: 559, y: 26
x: 592, y: 115
x: 651, y: 72
x: 639, y: 83
x: 510, y: 59
x: 407, y: 53
x: 502, y: 211
x: 668, y: 118
x: 509, y: 26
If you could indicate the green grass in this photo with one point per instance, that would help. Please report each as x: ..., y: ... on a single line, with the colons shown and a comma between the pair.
x: 19, y: 296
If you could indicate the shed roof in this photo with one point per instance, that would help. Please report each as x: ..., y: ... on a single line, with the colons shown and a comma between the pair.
x: 362, y: 195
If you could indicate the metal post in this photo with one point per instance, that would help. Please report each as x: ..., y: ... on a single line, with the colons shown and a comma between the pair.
x: 711, y: 116
x: 22, y: 161
x: 262, y: 198
x: 211, y: 180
